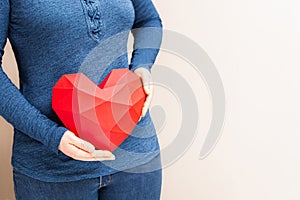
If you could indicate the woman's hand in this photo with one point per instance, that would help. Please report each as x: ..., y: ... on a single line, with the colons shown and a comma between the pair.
x: 146, y: 78
x: 78, y: 149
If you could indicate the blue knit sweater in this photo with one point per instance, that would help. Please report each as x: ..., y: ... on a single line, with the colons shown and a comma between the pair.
x: 51, y: 38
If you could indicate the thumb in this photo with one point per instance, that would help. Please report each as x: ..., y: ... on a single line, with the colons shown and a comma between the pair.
x: 147, y: 83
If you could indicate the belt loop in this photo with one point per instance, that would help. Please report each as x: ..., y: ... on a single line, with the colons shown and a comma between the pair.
x: 110, y: 177
x: 100, y: 181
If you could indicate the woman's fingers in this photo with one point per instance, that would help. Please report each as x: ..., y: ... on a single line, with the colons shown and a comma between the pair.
x: 146, y: 104
x: 97, y: 155
x: 78, y: 154
x: 146, y: 78
x: 148, y: 88
x: 103, y: 155
x: 81, y: 144
x: 147, y: 82
x: 79, y: 149
x: 89, y: 148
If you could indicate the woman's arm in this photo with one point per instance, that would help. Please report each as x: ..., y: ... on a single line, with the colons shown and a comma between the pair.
x: 147, y: 32
x: 15, y: 108
x: 26, y: 118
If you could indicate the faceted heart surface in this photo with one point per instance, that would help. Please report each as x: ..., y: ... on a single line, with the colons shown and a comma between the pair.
x: 103, y: 115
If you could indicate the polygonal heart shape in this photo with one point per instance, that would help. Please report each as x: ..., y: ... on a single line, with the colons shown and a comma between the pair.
x: 104, y: 115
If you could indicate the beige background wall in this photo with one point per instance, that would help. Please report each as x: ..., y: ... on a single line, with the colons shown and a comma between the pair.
x: 255, y: 46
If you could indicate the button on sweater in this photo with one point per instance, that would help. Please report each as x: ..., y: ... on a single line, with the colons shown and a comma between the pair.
x: 51, y: 38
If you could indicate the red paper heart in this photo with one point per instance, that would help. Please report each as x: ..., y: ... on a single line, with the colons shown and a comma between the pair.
x: 104, y: 115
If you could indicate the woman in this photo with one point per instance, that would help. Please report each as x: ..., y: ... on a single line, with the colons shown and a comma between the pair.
x: 52, y: 38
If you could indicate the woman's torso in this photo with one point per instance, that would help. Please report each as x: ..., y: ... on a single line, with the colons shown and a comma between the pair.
x: 51, y: 38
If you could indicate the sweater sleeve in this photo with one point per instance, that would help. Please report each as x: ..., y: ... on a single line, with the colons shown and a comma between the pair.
x: 147, y: 33
x: 13, y: 105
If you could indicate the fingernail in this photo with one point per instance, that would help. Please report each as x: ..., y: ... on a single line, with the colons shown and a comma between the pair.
x: 112, y: 157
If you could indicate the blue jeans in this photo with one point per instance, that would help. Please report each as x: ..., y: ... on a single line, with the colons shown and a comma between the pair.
x: 124, y: 185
